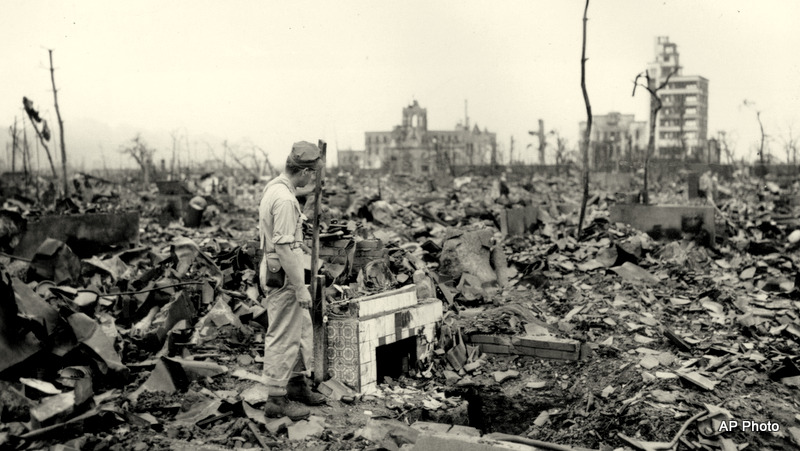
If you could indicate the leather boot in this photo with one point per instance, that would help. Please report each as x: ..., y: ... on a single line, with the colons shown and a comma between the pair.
x: 280, y: 406
x: 299, y: 389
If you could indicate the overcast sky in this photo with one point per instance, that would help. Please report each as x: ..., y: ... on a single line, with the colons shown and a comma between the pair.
x: 269, y: 73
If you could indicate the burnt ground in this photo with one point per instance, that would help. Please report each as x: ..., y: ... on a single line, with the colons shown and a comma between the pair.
x: 733, y: 306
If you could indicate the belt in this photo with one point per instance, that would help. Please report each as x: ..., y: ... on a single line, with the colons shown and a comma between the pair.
x: 293, y: 245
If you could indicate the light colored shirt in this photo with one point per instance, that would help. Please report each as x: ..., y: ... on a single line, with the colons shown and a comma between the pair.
x: 280, y: 219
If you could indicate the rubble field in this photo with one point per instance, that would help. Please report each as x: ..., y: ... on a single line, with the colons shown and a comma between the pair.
x: 152, y: 337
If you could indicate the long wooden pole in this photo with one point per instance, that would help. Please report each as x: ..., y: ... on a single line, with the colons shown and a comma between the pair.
x: 317, y: 292
x: 588, y: 133
x: 14, y: 147
x: 60, y: 126
x: 26, y: 157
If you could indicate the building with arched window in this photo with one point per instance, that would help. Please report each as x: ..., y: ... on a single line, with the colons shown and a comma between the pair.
x: 412, y: 148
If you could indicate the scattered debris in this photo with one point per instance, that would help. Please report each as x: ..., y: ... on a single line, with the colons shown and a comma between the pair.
x: 156, y: 341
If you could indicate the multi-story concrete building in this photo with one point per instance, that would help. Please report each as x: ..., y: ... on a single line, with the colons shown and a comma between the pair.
x: 412, y: 148
x: 618, y: 141
x: 350, y: 159
x: 682, y: 123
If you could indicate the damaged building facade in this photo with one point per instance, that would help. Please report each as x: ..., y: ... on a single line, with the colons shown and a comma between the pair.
x: 617, y: 141
x: 682, y: 124
x: 350, y: 159
x: 412, y: 148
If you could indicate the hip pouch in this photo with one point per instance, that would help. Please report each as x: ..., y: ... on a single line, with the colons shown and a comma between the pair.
x: 276, y: 276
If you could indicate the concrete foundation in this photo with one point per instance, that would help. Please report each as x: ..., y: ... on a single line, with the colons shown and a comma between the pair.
x: 666, y: 221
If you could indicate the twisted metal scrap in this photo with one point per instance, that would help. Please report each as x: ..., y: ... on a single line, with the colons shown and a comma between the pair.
x: 661, y: 446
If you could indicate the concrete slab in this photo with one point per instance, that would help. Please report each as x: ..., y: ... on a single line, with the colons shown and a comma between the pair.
x: 454, y: 442
x: 547, y: 342
x: 668, y: 222
x: 467, y: 252
x: 429, y: 427
x: 384, y: 302
x: 468, y: 431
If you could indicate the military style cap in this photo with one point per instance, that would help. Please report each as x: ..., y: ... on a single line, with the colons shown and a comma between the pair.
x: 303, y: 152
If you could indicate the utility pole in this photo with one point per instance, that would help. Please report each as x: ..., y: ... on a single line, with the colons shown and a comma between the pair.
x: 466, y: 116
x: 174, y: 154
x: 60, y: 126
x: 542, y: 140
x: 14, y: 147
x: 25, y: 154
x: 511, y: 152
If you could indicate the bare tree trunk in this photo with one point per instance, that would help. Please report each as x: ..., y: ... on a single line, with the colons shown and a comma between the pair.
x: 105, y: 168
x: 60, y: 126
x: 14, y: 147
x: 681, y: 132
x: 266, y: 161
x: 243, y: 166
x: 651, y: 146
x: 655, y: 106
x: 542, y: 142
x: 761, y: 147
x: 25, y: 154
x: 174, y: 154
x: 146, y: 174
x: 588, y: 133
x: 46, y: 149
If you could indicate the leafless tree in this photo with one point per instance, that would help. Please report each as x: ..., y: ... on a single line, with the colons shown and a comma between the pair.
x: 142, y: 154
x: 655, y: 106
x: 561, y: 152
x: 790, y: 146
x: 238, y: 161
x: 266, y: 164
x: 752, y: 105
x: 588, y: 133
x: 175, y: 146
x: 680, y: 106
x: 26, y: 153
x: 723, y: 139
x: 43, y: 134
x: 14, y: 138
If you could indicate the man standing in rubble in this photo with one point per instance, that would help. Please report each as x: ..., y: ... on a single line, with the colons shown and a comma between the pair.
x: 288, y: 345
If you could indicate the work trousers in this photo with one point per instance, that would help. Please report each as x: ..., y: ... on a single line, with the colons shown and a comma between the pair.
x: 289, y: 344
